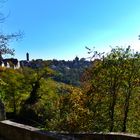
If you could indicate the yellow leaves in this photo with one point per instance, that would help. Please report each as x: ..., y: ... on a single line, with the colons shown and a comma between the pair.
x: 2, y: 83
x: 73, y: 111
x: 2, y: 69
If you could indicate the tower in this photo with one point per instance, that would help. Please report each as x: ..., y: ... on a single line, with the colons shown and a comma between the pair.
x: 27, y: 56
x: 1, y: 56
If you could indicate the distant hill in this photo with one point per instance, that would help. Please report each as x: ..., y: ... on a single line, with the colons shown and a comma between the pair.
x: 68, y: 72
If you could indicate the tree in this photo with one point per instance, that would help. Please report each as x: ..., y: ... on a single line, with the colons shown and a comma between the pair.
x: 74, y: 116
x: 111, y: 85
x: 32, y: 83
x: 4, y: 47
x: 4, y: 43
x: 12, y: 89
x: 131, y: 81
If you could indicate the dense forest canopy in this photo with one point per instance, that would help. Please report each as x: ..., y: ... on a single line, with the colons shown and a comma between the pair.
x: 106, y: 100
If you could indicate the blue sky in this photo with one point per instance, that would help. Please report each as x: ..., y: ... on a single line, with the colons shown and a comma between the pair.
x: 60, y: 29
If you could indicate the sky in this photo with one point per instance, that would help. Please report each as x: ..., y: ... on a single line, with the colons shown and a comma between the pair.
x: 60, y: 29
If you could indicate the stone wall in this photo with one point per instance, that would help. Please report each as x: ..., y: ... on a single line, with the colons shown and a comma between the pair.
x: 15, y: 131
x: 102, y: 136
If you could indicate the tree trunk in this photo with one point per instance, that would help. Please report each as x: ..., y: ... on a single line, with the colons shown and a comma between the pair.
x: 113, y: 91
x: 126, y: 108
x: 2, y: 111
x: 112, y: 109
x: 14, y: 104
x: 33, y: 94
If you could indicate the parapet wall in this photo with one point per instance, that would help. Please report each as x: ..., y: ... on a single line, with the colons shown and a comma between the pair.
x: 102, y: 136
x: 15, y: 131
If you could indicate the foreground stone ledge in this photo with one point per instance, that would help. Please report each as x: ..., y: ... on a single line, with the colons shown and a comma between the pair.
x: 102, y: 136
x: 14, y: 131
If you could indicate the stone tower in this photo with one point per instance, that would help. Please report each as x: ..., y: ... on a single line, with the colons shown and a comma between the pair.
x: 27, y: 56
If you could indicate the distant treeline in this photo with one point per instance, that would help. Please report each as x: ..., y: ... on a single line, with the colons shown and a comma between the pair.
x: 68, y: 72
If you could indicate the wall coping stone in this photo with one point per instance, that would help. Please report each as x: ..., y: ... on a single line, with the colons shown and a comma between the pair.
x: 12, y: 130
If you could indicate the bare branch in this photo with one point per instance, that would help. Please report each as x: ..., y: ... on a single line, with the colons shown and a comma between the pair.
x: 4, y: 43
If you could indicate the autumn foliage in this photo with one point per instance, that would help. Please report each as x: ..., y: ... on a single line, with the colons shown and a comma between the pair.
x: 108, y: 99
